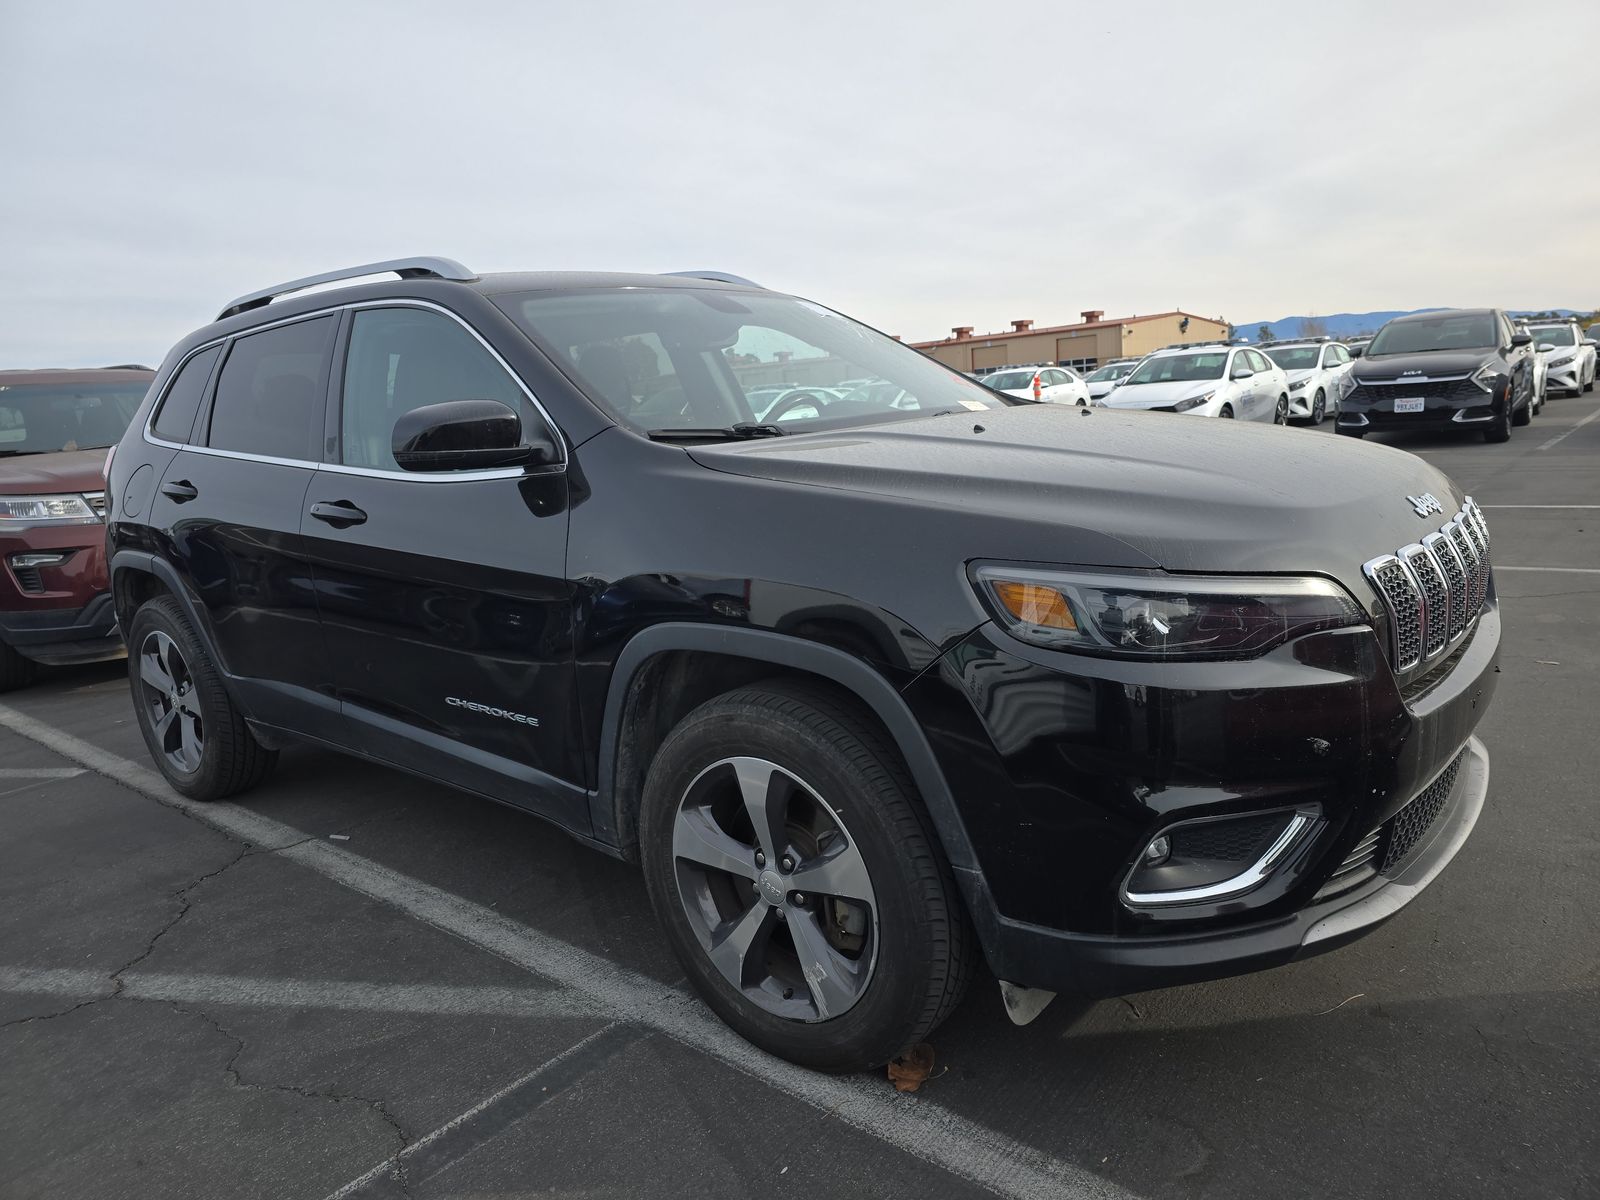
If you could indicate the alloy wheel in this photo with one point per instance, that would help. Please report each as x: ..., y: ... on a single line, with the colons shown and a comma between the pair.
x: 1319, y: 408
x: 775, y: 889
x: 1280, y: 415
x: 171, y: 702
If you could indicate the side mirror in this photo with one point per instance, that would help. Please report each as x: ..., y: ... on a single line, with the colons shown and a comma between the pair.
x: 1590, y: 342
x: 1522, y: 339
x: 1547, y: 348
x: 1241, y: 373
x: 466, y: 435
x: 1357, y: 351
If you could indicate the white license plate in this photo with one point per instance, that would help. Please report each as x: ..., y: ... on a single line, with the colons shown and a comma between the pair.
x: 1411, y: 404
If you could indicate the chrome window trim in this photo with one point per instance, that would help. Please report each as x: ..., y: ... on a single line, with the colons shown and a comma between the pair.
x: 1247, y: 880
x: 371, y: 472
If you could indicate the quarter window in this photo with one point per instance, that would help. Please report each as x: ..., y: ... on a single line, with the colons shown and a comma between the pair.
x: 269, y: 396
x: 405, y: 358
x: 175, y: 421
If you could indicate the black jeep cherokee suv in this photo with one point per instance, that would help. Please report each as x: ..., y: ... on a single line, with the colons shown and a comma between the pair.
x: 872, y: 669
x: 1451, y: 369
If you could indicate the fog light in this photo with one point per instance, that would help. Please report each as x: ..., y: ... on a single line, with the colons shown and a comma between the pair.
x: 1158, y: 851
x: 22, y: 561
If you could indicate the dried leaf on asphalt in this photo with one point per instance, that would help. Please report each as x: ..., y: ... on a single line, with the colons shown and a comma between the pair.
x: 910, y: 1070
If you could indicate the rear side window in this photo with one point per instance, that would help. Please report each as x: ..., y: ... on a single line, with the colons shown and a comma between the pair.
x: 175, y: 421
x: 402, y: 359
x: 269, y: 396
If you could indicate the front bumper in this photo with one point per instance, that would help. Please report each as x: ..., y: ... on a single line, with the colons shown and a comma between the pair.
x: 1565, y: 379
x: 1039, y: 957
x: 62, y: 636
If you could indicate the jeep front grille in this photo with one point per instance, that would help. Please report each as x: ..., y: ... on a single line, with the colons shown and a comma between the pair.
x: 1433, y: 590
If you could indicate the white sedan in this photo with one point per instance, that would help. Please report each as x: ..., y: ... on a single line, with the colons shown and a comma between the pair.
x: 1569, y: 359
x: 1051, y: 385
x: 1104, y: 381
x: 1314, y: 370
x: 1207, y: 381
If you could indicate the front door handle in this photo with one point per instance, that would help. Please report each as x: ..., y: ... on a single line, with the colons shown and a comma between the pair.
x: 341, y: 514
x: 180, y: 491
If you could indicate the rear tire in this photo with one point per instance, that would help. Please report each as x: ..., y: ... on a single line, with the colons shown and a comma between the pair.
x: 196, y: 736
x: 15, y: 671
x: 797, y: 981
x: 1280, y: 415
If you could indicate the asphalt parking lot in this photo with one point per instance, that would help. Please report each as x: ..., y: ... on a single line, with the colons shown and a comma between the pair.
x: 354, y: 983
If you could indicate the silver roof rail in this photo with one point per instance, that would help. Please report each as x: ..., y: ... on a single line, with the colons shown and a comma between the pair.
x: 715, y: 277
x: 406, y: 268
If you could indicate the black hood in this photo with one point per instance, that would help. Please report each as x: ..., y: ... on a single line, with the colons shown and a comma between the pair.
x: 1131, y: 489
x: 1432, y: 364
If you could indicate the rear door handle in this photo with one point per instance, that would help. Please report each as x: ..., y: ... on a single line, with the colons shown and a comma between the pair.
x: 341, y: 514
x: 180, y: 490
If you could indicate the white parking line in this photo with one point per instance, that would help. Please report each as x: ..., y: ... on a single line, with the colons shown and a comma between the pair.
x: 1539, y: 506
x: 926, y: 1131
x: 332, y: 994
x: 39, y: 772
x: 1560, y: 436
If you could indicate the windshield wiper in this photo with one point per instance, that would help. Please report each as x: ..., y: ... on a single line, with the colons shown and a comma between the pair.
x: 739, y: 432
x: 14, y: 453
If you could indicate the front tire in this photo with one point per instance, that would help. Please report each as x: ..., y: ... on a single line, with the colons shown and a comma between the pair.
x: 1524, y: 415
x: 1319, y: 407
x: 798, y: 879
x: 15, y: 671
x: 1500, y: 431
x: 196, y: 736
x: 1227, y: 412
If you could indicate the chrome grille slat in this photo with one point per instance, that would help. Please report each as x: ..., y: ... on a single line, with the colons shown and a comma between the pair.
x: 1433, y: 590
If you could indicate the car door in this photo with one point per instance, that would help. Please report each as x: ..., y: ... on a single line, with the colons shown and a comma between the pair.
x: 1267, y: 385
x: 1242, y: 390
x: 443, y: 595
x: 228, y: 509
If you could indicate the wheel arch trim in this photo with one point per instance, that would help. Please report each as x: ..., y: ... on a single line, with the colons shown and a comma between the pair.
x: 852, y: 674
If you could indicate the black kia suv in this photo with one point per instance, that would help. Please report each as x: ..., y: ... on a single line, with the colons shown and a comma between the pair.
x: 885, y: 680
x: 1457, y: 369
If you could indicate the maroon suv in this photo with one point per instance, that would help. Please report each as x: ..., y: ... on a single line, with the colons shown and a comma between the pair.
x: 55, y: 430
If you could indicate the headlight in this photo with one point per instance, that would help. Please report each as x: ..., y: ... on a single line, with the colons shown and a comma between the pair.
x: 1563, y: 362
x: 1298, y: 385
x: 45, y: 508
x: 1155, y: 616
x: 1192, y: 402
x: 1487, y: 377
x: 1347, y: 384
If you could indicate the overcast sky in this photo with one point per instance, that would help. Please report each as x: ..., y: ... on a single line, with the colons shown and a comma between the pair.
x: 918, y: 165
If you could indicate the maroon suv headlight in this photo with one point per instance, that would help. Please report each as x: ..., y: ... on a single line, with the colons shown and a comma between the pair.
x: 1158, y: 616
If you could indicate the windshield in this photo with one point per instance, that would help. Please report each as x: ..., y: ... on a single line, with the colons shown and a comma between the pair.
x: 1015, y: 381
x: 1114, y: 371
x: 1179, y: 368
x: 1451, y: 331
x: 1295, y: 358
x: 1553, y: 335
x: 46, y: 418
x: 682, y: 358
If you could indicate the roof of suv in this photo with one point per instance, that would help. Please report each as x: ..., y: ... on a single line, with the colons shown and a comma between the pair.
x: 1434, y: 313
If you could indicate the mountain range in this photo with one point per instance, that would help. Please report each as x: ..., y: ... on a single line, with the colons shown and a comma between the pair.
x: 1348, y: 325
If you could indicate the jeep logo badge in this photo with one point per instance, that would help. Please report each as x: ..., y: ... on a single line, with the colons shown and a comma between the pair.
x: 1425, y: 504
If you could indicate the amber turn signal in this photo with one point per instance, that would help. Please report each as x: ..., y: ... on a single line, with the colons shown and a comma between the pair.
x: 1035, y: 604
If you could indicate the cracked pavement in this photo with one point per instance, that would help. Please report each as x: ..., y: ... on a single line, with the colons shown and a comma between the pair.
x: 183, y: 1014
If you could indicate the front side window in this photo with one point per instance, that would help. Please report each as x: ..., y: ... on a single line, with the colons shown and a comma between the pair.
x: 687, y: 358
x: 1449, y: 331
x: 269, y: 395
x: 46, y: 418
x: 1179, y: 368
x: 175, y: 421
x: 401, y: 359
x: 1258, y: 361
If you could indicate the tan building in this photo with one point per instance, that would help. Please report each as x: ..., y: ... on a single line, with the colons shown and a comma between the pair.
x: 1083, y: 346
